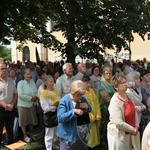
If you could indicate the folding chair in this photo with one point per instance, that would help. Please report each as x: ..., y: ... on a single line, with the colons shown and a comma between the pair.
x: 17, y: 145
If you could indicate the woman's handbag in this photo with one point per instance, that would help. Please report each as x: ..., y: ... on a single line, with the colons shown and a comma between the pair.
x: 83, y: 119
x: 50, y: 119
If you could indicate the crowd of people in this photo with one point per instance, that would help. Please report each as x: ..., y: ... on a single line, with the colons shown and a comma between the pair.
x: 99, y: 106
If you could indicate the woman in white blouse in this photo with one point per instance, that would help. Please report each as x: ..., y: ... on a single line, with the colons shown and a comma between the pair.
x: 49, y: 100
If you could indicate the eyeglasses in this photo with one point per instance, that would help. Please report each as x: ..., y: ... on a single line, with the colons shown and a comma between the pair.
x: 108, y: 73
x: 2, y: 69
x: 147, y: 75
x: 125, y: 82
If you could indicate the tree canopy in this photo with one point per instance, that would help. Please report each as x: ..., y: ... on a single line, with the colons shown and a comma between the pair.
x: 5, y: 53
x: 89, y: 26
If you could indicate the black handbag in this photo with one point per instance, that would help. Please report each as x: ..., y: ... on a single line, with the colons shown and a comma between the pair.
x: 50, y: 119
x: 83, y: 119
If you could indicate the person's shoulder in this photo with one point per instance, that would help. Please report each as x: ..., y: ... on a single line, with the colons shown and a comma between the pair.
x: 61, y: 77
x: 114, y: 99
x: 65, y: 98
x: 21, y: 82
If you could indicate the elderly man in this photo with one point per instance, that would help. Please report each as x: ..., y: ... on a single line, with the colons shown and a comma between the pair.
x: 64, y: 81
x: 8, y: 98
x: 81, y: 71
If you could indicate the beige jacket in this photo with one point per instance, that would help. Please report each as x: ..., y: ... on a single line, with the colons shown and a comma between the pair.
x: 117, y: 125
x: 146, y: 138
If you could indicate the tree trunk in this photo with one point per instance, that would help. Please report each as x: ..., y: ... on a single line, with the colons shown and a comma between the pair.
x: 71, y: 32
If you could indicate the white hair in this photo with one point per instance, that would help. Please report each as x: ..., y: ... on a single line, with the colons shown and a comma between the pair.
x: 66, y: 65
x: 130, y: 78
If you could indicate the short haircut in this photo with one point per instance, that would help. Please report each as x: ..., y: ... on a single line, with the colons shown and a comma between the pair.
x: 24, y: 72
x: 77, y: 87
x: 94, y: 69
x: 117, y: 79
x: 47, y: 79
x: 108, y: 68
x: 66, y: 65
x: 41, y: 72
x: 130, y: 78
x: 85, y: 79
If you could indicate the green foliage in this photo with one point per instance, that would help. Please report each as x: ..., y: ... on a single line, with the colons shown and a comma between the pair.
x: 90, y: 26
x: 5, y: 52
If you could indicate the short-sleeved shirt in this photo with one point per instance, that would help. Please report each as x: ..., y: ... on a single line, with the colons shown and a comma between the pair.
x: 7, y: 90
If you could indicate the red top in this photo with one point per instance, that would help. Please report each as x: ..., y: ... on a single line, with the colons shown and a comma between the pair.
x: 129, y: 111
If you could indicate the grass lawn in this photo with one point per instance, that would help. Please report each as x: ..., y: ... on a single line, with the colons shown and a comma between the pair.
x: 37, y: 145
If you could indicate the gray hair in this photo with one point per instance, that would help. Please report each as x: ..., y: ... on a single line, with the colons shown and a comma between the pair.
x: 130, y: 78
x: 24, y: 72
x: 66, y: 65
x: 46, y: 80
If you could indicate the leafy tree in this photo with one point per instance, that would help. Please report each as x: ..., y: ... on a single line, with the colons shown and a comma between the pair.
x: 5, y: 52
x: 89, y: 26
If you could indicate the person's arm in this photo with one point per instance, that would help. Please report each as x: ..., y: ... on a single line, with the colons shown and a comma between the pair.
x: 117, y: 116
x: 46, y: 105
x: 22, y: 90
x: 3, y: 104
x: 15, y: 97
x: 145, y: 97
x: 64, y: 111
x: 97, y: 107
x: 105, y: 96
x: 58, y: 86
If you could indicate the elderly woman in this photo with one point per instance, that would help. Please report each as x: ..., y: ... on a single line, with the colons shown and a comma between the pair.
x: 134, y: 93
x: 123, y: 120
x: 95, y: 78
x: 49, y: 100
x: 71, y: 109
x: 105, y: 92
x: 27, y: 92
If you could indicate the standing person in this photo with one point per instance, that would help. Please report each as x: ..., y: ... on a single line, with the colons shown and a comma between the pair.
x: 64, y: 81
x: 146, y: 133
x: 95, y: 114
x: 14, y: 77
x: 42, y: 77
x: 49, y: 99
x: 105, y: 93
x: 72, y: 107
x: 34, y: 74
x: 81, y: 71
x: 27, y: 92
x: 134, y: 93
x: 8, y: 98
x: 145, y: 90
x: 123, y: 120
x: 95, y: 78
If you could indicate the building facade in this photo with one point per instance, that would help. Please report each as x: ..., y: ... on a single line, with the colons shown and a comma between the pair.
x: 139, y: 48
